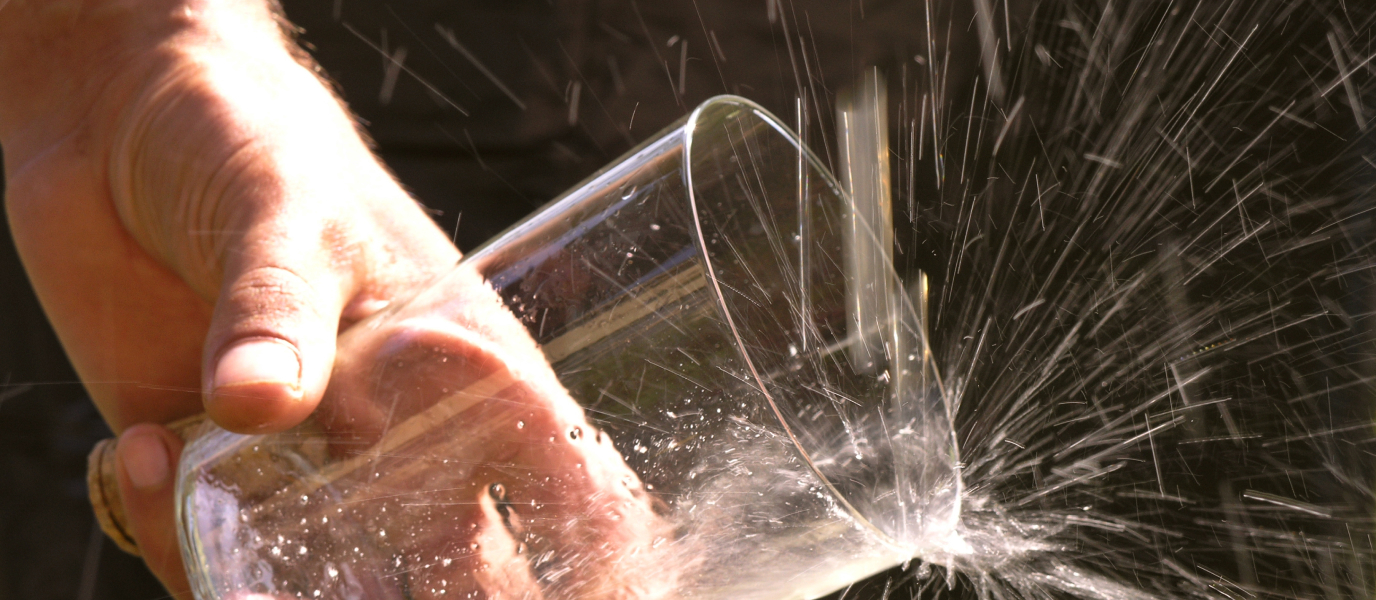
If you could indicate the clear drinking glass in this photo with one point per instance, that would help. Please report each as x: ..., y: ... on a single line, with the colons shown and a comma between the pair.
x: 763, y: 437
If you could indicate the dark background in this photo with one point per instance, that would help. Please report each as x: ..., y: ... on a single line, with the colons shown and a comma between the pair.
x: 589, y: 79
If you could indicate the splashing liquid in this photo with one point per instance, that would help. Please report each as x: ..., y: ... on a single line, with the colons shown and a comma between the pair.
x: 1149, y: 229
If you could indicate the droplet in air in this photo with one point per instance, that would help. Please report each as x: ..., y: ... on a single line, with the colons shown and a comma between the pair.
x: 576, y: 433
x: 520, y: 424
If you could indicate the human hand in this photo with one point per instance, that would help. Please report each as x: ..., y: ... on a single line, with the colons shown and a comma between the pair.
x: 483, y: 474
x: 197, y: 213
x: 194, y: 208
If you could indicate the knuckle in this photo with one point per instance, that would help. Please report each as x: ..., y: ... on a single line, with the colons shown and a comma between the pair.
x: 274, y: 292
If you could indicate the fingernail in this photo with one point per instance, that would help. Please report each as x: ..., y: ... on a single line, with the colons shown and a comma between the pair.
x: 258, y: 362
x: 145, y: 459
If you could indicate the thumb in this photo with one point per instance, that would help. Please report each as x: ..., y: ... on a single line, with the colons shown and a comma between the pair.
x: 271, y: 342
x: 147, y: 466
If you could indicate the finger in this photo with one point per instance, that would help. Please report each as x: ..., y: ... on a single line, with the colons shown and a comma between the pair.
x: 269, y: 350
x: 271, y: 342
x: 475, y: 555
x: 566, y: 492
x: 571, y: 494
x: 403, y: 370
x: 295, y: 277
x: 147, y: 472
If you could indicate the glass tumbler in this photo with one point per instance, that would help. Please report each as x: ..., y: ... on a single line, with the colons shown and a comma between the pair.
x: 719, y: 418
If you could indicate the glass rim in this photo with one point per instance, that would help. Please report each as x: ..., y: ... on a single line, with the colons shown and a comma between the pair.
x: 806, y: 159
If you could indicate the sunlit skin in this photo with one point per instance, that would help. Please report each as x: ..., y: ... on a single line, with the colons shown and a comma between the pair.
x: 199, y: 218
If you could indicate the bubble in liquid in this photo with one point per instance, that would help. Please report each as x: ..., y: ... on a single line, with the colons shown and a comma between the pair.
x: 497, y: 491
